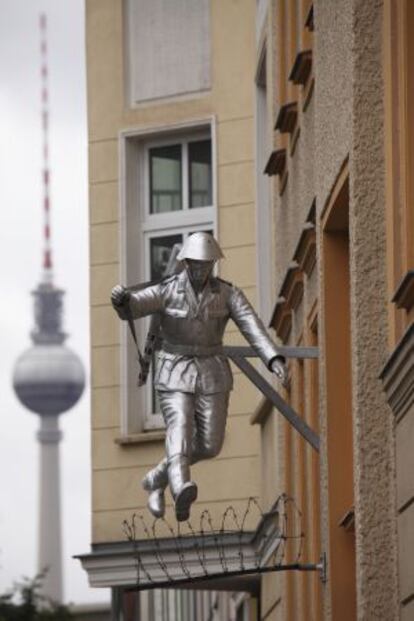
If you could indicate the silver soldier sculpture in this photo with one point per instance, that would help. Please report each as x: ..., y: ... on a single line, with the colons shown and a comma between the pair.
x: 192, y: 376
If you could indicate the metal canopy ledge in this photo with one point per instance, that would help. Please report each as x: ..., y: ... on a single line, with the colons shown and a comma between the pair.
x: 110, y: 565
x: 217, y: 560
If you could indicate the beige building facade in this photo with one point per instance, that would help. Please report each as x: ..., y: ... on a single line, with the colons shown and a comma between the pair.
x: 178, y: 98
x: 287, y: 131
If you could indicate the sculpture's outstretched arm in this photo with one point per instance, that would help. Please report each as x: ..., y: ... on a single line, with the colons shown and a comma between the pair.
x: 252, y: 328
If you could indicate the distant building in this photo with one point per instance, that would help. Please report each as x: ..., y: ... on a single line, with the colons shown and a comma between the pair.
x: 48, y: 378
x: 91, y: 612
x: 307, y: 108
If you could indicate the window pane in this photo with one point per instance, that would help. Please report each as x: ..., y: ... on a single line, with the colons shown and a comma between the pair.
x: 199, y: 161
x: 171, y: 606
x: 157, y: 604
x: 165, y: 179
x: 160, y: 250
x: 240, y: 614
x: 178, y: 605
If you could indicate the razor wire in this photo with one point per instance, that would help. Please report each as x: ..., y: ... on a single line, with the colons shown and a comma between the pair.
x: 205, y: 551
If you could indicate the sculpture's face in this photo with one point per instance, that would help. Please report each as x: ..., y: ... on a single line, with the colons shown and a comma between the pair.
x: 199, y: 271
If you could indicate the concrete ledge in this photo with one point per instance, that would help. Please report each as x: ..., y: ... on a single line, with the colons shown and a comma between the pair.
x: 398, y: 375
x: 404, y: 296
x: 261, y: 413
x: 406, y: 559
x: 140, y: 438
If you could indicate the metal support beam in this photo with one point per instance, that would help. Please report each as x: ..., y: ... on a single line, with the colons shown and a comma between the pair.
x: 190, y: 581
x: 287, y: 352
x: 284, y: 408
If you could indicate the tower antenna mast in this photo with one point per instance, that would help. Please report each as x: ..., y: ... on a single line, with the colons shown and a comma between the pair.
x: 44, y: 72
x: 48, y: 377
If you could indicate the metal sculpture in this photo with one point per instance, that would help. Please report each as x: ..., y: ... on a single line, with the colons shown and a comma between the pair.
x: 192, y: 375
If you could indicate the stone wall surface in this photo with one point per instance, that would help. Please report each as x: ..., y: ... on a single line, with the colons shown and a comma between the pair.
x: 374, y: 459
x: 333, y: 91
x: 349, y: 124
x: 293, y: 206
x: 333, y: 113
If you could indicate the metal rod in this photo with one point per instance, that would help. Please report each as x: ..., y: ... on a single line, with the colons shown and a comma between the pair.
x: 284, y: 408
x: 226, y: 574
x: 322, y: 567
x: 287, y: 352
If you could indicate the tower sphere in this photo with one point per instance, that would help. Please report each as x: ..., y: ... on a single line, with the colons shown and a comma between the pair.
x: 48, y: 379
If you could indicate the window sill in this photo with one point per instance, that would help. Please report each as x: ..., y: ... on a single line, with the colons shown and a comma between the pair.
x: 140, y: 438
x: 276, y: 163
x: 347, y: 522
x: 301, y: 68
x: 308, y: 92
x: 309, y: 22
x: 262, y: 412
x: 305, y: 253
x: 287, y: 118
x: 404, y: 296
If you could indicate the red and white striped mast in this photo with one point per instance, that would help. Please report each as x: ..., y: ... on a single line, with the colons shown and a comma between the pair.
x: 48, y: 377
x: 44, y: 72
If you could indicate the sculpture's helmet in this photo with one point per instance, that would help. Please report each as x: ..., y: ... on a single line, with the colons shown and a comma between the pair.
x: 200, y: 247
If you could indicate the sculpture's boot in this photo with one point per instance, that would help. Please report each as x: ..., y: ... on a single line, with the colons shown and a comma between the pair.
x: 157, y: 478
x: 156, y: 503
x: 182, y: 489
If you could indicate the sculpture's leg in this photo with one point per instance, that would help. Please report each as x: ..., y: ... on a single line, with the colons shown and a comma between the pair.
x: 182, y: 489
x: 210, y: 414
x: 156, y: 478
x: 210, y: 425
x: 156, y: 502
x: 178, y: 412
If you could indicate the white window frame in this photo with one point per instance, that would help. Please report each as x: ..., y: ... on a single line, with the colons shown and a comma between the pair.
x: 240, y: 602
x: 187, y: 214
x: 265, y: 262
x: 137, y: 227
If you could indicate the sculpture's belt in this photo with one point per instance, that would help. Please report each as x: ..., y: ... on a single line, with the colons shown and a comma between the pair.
x: 192, y: 350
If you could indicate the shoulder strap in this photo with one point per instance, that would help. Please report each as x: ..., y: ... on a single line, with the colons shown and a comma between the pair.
x: 173, y: 268
x: 142, y: 362
x: 226, y: 282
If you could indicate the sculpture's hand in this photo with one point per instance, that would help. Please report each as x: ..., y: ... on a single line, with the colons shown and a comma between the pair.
x: 279, y: 368
x: 119, y: 297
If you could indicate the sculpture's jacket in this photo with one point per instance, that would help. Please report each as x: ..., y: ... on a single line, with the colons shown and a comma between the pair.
x: 191, y: 358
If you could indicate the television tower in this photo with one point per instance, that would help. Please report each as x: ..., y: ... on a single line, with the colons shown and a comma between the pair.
x: 48, y: 378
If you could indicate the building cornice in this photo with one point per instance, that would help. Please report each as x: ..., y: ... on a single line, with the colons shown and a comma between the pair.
x: 398, y: 375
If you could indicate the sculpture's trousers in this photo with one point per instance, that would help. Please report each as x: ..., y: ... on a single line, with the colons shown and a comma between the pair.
x: 195, y: 425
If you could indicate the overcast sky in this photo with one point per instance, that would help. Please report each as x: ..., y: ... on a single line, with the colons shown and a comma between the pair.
x: 20, y: 261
